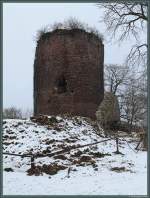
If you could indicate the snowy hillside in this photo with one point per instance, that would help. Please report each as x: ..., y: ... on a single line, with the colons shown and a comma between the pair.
x: 90, y: 170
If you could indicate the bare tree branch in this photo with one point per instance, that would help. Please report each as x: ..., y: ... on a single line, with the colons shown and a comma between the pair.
x: 124, y: 20
x: 115, y: 76
x: 137, y: 54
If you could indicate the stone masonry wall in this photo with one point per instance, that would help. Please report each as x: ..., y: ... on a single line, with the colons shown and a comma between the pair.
x: 68, y: 73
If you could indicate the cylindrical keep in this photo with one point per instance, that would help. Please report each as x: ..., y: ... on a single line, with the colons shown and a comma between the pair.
x: 68, y: 73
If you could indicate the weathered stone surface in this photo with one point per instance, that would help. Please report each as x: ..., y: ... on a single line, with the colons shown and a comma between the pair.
x: 108, y: 111
x: 68, y: 73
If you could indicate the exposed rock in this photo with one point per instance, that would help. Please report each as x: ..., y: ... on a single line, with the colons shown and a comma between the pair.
x: 99, y: 155
x: 119, y: 169
x: 51, y: 169
x: 77, y: 154
x: 62, y: 157
x: 108, y: 113
x: 85, y: 158
x: 8, y: 170
x: 37, y: 170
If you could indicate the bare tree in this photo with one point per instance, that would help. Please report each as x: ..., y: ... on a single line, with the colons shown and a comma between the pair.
x: 134, y: 103
x: 131, y: 91
x: 116, y: 76
x: 124, y: 20
x: 12, y: 113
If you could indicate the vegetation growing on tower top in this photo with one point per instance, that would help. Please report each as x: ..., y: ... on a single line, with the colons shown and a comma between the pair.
x: 70, y: 24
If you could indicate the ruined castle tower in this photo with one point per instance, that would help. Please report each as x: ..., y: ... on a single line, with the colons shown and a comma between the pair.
x: 68, y: 73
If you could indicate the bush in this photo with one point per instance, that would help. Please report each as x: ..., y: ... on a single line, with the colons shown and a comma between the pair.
x: 70, y: 24
x: 12, y: 113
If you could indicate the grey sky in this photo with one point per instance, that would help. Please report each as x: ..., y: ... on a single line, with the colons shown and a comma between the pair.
x: 20, y: 24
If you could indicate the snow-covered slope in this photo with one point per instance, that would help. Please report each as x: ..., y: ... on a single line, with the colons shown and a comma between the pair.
x: 94, y: 169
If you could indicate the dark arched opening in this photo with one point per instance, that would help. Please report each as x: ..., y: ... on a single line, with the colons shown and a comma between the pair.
x: 61, y: 84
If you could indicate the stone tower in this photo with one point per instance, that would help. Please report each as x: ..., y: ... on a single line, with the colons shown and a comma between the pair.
x: 68, y: 73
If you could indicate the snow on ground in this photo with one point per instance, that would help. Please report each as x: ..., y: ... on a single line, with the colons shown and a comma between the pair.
x: 94, y: 170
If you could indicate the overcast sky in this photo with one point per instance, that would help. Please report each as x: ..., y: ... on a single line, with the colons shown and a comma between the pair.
x: 21, y: 21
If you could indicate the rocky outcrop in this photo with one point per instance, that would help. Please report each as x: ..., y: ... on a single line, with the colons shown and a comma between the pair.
x: 108, y: 113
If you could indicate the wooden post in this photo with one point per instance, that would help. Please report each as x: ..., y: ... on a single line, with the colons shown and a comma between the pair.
x: 32, y: 162
x: 117, y: 144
